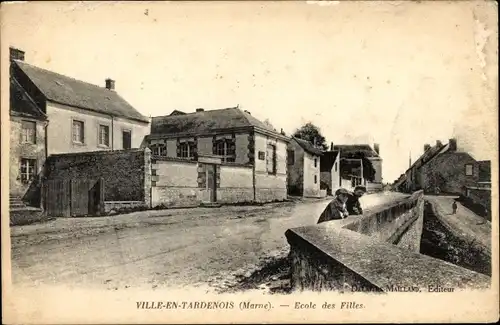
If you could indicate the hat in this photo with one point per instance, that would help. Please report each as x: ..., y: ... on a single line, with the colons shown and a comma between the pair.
x: 342, y: 191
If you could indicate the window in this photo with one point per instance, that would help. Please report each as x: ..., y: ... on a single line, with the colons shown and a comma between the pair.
x: 158, y: 149
x: 226, y: 149
x: 335, y: 166
x: 127, y: 139
x: 104, y: 135
x: 468, y: 170
x: 315, y: 179
x: 28, y: 132
x: 28, y: 169
x: 315, y: 162
x: 271, y: 159
x: 186, y: 150
x: 290, y: 157
x: 78, y: 132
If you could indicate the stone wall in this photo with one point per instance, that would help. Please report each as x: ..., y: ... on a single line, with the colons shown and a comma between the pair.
x: 360, y: 253
x: 480, y: 195
x: 236, y: 184
x: 123, y: 171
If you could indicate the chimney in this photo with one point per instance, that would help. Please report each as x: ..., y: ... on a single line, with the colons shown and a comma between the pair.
x: 247, y: 112
x: 376, y: 147
x: 110, y: 84
x: 16, y: 54
x: 282, y: 132
x: 426, y: 147
x: 199, y: 110
x: 439, y: 143
x: 453, y: 144
x: 331, y: 146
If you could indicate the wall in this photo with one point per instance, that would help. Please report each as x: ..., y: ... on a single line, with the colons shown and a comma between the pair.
x: 311, y: 185
x: 124, y: 172
x: 236, y: 184
x: 59, y: 130
x: 174, y: 183
x: 447, y: 171
x: 357, y: 253
x: 270, y: 187
x: 480, y: 195
x: 295, y: 172
x: 20, y: 150
x: 377, y: 165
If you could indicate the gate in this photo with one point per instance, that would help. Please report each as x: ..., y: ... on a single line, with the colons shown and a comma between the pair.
x: 73, y: 197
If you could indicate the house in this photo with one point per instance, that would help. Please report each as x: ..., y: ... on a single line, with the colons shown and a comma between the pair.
x: 304, y: 163
x: 351, y: 165
x: 222, y: 155
x: 442, y: 169
x: 52, y: 114
x: 330, y: 171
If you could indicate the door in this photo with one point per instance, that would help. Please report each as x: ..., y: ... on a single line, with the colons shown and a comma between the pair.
x: 212, y: 182
x: 127, y: 139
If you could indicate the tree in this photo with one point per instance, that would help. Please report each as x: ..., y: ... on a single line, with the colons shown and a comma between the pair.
x: 310, y: 133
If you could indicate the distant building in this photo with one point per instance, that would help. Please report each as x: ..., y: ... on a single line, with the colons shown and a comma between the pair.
x: 351, y: 167
x: 239, y: 158
x: 330, y: 171
x: 304, y: 161
x: 51, y: 113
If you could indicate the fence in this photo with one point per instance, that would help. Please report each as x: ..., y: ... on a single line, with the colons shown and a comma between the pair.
x: 73, y: 197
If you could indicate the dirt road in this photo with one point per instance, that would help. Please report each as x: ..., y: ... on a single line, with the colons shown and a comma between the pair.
x: 168, y: 248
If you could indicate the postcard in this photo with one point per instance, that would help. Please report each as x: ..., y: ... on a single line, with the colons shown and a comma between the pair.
x: 249, y: 162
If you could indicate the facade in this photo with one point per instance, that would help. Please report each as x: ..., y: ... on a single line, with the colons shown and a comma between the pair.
x: 213, y: 142
x: 352, y: 167
x: 442, y: 169
x: 304, y: 161
x: 330, y: 171
x: 65, y: 116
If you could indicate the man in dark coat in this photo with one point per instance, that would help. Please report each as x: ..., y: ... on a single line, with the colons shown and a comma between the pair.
x: 352, y: 205
x: 336, y: 208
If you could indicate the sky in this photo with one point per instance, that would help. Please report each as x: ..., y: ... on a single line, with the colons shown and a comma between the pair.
x: 399, y: 74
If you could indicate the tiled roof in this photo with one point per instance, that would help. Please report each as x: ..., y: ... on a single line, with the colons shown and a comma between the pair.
x: 205, y: 122
x: 21, y: 105
x: 68, y: 91
x: 308, y: 147
x: 347, y: 150
x: 327, y: 160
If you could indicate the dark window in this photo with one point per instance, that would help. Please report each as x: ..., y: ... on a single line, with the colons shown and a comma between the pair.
x: 226, y: 149
x: 104, y: 135
x: 27, y: 169
x: 335, y: 166
x: 78, y: 132
x: 271, y: 159
x: 315, y: 162
x: 158, y: 149
x: 262, y: 155
x: 291, y: 157
x: 186, y: 150
x: 28, y: 132
x: 127, y: 139
x: 315, y: 179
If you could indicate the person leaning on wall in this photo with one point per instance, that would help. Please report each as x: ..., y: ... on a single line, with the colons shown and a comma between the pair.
x: 336, y: 209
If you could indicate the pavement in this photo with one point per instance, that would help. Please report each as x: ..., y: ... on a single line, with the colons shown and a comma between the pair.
x: 464, y: 223
x: 164, y: 248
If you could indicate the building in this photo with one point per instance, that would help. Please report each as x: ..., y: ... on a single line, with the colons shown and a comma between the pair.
x: 53, y: 114
x: 304, y: 161
x: 351, y: 166
x: 442, y: 169
x: 330, y: 171
x: 223, y: 155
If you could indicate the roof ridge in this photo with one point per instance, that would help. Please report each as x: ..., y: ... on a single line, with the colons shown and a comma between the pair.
x: 60, y: 74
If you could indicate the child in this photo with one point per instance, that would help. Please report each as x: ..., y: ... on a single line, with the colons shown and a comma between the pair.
x: 454, y: 207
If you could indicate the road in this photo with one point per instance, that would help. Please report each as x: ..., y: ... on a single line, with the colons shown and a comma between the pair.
x: 167, y: 248
x: 464, y: 223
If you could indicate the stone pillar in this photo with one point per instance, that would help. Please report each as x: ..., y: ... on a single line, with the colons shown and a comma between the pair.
x: 147, y: 177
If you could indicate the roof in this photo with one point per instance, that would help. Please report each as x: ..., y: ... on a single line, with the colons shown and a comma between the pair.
x: 72, y: 92
x: 176, y: 112
x: 347, y: 150
x: 206, y: 122
x: 308, y: 147
x: 21, y: 105
x: 327, y: 160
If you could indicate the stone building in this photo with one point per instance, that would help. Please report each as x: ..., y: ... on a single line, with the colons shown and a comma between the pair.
x: 222, y: 155
x: 53, y: 114
x: 303, y: 168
